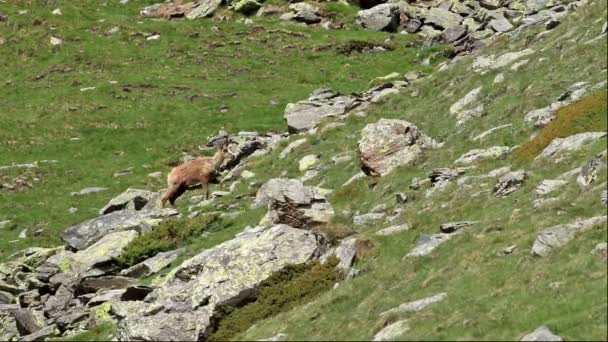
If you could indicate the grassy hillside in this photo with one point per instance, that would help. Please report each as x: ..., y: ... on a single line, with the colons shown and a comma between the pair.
x: 173, y: 92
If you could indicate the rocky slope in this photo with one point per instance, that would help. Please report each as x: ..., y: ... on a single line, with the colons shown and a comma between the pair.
x: 447, y: 213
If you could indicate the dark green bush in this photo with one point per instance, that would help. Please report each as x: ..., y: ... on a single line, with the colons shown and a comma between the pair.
x: 290, y: 287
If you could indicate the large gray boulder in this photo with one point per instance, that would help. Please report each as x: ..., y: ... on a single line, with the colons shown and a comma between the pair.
x: 390, y: 143
x: 558, y: 236
x: 103, y: 251
x: 87, y: 233
x: 134, y: 199
x: 185, y: 305
x: 322, y: 103
x: 291, y: 202
x: 443, y: 18
x: 384, y: 17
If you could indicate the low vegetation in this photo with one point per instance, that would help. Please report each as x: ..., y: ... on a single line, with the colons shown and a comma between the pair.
x: 293, y: 286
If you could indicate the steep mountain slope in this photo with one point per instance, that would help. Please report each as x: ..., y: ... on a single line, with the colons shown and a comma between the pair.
x: 493, y: 184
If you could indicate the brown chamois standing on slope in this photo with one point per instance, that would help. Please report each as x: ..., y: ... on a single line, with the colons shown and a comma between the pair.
x: 202, y: 170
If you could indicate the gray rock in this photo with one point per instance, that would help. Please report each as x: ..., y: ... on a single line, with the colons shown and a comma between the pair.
x: 355, y: 177
x: 269, y: 11
x: 90, y: 190
x: 245, y: 6
x: 549, y: 185
x: 304, y: 115
x: 346, y: 252
x: 506, y: 251
x: 490, y: 131
x: 76, y: 317
x: 277, y: 337
x: 490, y: 4
x: 601, y: 251
x: 569, y: 144
x: 452, y: 227
x: 6, y: 298
x: 133, y: 199
x: 558, y: 236
x: 95, y: 285
x: 492, y: 62
x: 390, y: 143
x: 509, y: 183
x: 87, y: 233
x: 454, y: 33
x: 104, y: 296
x: 309, y: 161
x: 392, y: 331
x: 541, y: 333
x: 8, y: 326
x: 384, y: 17
x: 443, y: 18
x: 27, y: 322
x: 308, y: 17
x: 393, y: 229
x: 152, y: 265
x: 361, y: 220
x: 413, y: 25
x: 342, y: 158
x: 417, y: 305
x: 42, y: 334
x: 591, y: 170
x: 604, y: 197
x: 441, y: 176
x: 56, y: 305
x: 465, y: 102
x: 292, y: 146
x: 425, y: 244
x: 494, y: 152
x: 205, y: 8
x: 462, y: 9
x: 108, y: 247
x: 501, y: 25
x: 183, y: 307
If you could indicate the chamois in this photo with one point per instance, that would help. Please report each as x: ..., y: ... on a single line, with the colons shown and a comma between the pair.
x: 202, y: 170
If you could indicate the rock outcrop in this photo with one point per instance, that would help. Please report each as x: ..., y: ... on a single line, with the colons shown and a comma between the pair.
x: 558, y: 236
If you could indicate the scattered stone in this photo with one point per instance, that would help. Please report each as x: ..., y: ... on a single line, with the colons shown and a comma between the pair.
x: 87, y: 191
x: 454, y: 33
x: 361, y: 220
x: 56, y: 41
x: 519, y: 64
x: 591, y: 170
x: 4, y: 223
x: 401, y: 198
x: 558, y: 236
x: 549, y: 185
x: 492, y: 62
x: 604, y: 197
x: 425, y: 244
x: 452, y: 227
x: 322, y: 103
x: 133, y: 199
x: 417, y: 305
x: 95, y: 285
x: 156, y: 175
x: 443, y: 18
x: 342, y: 158
x: 73, y: 210
x: 56, y: 11
x: 392, y: 331
x: 152, y: 265
x: 292, y: 146
x: 277, y: 337
x: 494, y: 152
x: 601, y: 251
x: 384, y: 17
x: 490, y: 131
x: 390, y: 143
x: 308, y: 162
x: 499, y: 78
x: 541, y: 333
x: 42, y: 334
x: 500, y: 25
x: 509, y: 183
x: 355, y: 177
x: 506, y: 251
x: 245, y: 6
x: 393, y: 230
x: 346, y: 252
x: 569, y: 144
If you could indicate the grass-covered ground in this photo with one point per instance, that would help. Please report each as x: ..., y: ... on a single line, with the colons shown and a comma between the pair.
x: 489, y: 297
x: 153, y: 99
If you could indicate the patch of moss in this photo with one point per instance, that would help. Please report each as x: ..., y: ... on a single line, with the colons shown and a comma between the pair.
x: 167, y: 236
x: 587, y: 114
x: 102, y: 312
x: 288, y: 288
x: 65, y: 264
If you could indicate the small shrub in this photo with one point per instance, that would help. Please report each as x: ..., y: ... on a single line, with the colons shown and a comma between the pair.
x: 587, y: 114
x: 168, y: 235
x: 292, y: 286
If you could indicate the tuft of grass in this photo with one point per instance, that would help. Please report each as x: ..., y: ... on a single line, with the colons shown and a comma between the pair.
x: 284, y: 290
x: 584, y: 115
x: 168, y: 235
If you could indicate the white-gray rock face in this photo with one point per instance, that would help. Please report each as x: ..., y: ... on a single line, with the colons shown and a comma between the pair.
x: 494, y: 152
x: 384, y: 17
x: 390, y: 143
x: 569, y: 144
x: 322, y: 103
x: 417, y: 305
x: 393, y: 230
x: 291, y: 202
x: 558, y: 236
x: 134, y: 199
x: 183, y: 307
x: 541, y: 333
x: 87, y: 233
x: 443, y: 18
x: 509, y: 183
x: 392, y: 331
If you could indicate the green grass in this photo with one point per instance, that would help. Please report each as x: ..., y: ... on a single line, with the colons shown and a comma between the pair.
x: 102, y: 332
x: 169, y: 95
